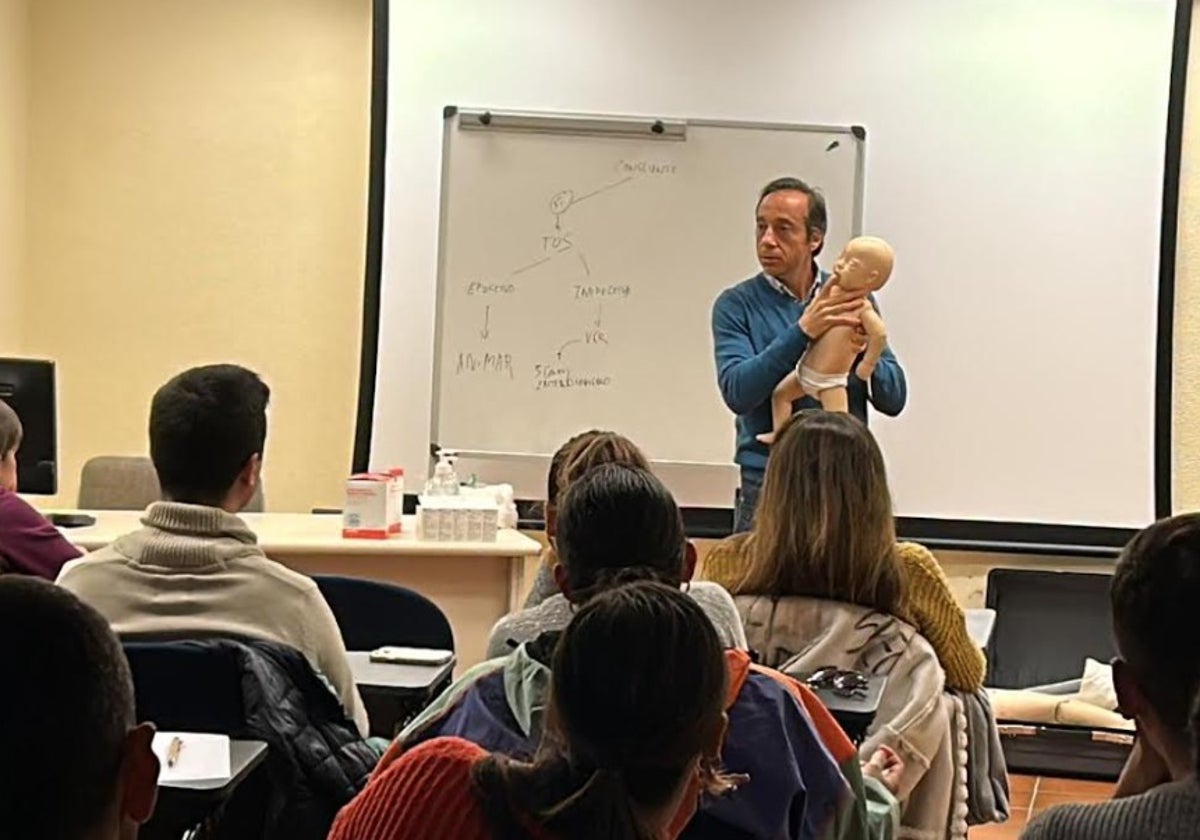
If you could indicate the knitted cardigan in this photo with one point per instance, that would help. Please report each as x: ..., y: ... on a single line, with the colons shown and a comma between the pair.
x: 927, y: 604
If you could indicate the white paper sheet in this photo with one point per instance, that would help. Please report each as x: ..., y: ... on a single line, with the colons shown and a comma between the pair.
x: 202, y: 757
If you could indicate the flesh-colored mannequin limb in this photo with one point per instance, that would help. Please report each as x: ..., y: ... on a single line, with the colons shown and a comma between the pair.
x: 864, y: 264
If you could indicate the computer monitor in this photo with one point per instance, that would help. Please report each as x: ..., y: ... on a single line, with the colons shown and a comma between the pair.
x: 28, y: 386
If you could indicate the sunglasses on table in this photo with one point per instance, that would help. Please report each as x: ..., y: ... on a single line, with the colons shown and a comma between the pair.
x: 841, y: 682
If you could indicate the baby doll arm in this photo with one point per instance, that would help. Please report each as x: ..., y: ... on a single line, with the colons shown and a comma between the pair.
x: 876, y: 330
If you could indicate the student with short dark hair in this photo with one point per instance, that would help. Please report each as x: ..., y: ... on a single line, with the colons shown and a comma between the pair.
x: 620, y: 517
x: 73, y: 764
x: 196, y: 568
x: 29, y: 544
x: 636, y: 724
x: 1154, y: 593
x: 574, y: 458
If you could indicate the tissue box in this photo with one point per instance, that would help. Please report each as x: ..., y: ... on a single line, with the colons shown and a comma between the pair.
x: 369, y: 512
x: 457, y: 519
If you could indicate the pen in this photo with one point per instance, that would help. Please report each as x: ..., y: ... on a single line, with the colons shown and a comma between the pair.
x: 173, y: 751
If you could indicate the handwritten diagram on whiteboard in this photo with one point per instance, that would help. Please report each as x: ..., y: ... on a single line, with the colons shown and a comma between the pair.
x: 577, y: 276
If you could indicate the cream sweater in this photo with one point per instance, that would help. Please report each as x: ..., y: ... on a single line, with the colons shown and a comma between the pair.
x: 198, y: 571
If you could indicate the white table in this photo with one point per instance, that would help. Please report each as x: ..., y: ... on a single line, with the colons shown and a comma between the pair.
x: 474, y: 583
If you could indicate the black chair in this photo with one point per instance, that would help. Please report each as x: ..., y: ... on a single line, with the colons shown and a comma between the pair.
x: 373, y: 614
x: 183, y: 686
x: 188, y: 687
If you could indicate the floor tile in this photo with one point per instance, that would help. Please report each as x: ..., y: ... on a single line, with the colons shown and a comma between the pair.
x: 1048, y: 800
x: 1001, y: 831
x: 1077, y: 787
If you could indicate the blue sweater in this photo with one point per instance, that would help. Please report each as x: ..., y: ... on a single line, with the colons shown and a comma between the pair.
x: 757, y: 341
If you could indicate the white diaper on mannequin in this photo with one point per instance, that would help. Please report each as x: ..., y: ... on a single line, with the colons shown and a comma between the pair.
x: 813, y: 383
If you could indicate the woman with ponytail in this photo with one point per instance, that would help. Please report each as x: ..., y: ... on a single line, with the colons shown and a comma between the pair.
x: 635, y: 723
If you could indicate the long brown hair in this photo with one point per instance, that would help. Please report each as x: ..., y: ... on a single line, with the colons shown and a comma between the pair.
x: 824, y: 525
x: 574, y: 458
x: 637, y: 697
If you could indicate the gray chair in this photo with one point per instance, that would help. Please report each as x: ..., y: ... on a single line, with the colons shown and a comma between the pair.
x: 120, y: 482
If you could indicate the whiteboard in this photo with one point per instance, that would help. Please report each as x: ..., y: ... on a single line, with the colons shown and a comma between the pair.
x: 579, y: 261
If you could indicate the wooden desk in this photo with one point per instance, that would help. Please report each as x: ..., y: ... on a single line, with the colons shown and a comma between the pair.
x: 474, y: 583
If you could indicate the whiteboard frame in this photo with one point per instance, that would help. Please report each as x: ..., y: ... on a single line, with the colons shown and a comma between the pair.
x: 614, y: 125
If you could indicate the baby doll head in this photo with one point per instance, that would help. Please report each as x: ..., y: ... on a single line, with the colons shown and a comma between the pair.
x: 865, y: 263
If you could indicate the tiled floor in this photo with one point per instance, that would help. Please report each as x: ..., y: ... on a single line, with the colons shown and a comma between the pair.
x: 1031, y: 796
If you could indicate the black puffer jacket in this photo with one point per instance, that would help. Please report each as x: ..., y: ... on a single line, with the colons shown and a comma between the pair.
x: 316, y: 760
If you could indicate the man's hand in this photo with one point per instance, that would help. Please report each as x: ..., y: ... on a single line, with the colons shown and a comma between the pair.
x: 831, y: 307
x: 886, y: 766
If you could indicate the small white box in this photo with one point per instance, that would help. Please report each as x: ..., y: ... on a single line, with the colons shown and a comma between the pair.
x: 369, y: 509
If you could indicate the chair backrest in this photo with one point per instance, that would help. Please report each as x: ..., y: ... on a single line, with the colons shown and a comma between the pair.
x: 187, y: 686
x: 123, y: 482
x: 1047, y: 624
x: 373, y: 614
x: 117, y: 482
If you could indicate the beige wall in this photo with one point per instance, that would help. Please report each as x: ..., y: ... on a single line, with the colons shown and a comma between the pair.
x: 197, y: 193
x: 197, y: 185
x: 14, y: 128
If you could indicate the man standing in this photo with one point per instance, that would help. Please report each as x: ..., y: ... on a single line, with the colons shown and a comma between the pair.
x: 762, y: 326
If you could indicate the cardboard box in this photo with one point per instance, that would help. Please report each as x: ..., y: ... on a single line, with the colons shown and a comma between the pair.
x: 369, y: 512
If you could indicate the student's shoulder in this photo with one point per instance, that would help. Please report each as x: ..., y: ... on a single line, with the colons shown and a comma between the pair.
x: 1169, y: 811
x: 95, y: 565
x: 281, y: 577
x: 920, y: 567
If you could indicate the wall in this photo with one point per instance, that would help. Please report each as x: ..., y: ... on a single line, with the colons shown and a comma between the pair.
x: 14, y: 38
x: 215, y: 165
x: 197, y: 193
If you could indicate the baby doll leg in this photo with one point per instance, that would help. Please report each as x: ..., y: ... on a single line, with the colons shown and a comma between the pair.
x: 786, y: 393
x: 835, y: 399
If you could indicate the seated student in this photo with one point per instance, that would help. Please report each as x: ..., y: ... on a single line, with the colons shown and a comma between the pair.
x: 1155, y: 589
x: 636, y: 725
x: 73, y: 766
x: 29, y: 544
x: 822, y: 582
x: 806, y: 780
x: 573, y: 459
x: 653, y: 514
x: 825, y: 529
x: 195, y: 569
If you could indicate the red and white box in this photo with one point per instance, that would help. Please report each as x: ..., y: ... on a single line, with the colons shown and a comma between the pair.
x: 369, y: 512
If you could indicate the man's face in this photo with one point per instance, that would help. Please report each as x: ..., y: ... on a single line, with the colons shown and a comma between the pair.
x: 784, y: 244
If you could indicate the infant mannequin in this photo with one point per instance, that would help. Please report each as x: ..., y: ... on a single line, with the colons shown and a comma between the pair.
x: 864, y: 264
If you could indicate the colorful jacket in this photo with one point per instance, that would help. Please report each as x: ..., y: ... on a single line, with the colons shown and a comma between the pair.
x: 806, y: 780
